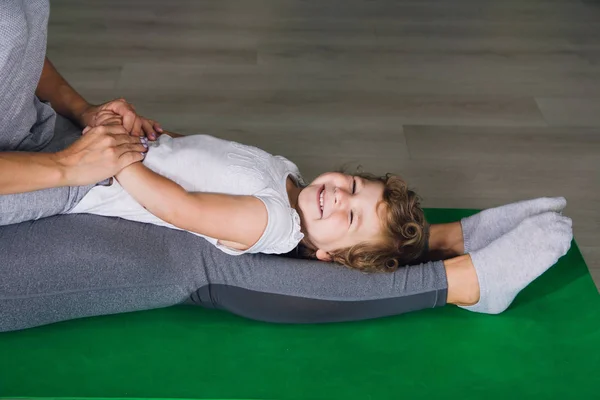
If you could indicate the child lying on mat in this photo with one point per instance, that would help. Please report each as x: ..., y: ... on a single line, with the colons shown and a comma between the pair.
x: 244, y: 200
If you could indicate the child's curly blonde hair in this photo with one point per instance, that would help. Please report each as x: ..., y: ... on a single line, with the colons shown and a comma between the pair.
x: 405, y: 236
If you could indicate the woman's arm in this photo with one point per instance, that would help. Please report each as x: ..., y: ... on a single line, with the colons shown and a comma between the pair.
x: 237, y: 221
x: 65, y: 100
x: 98, y: 155
x: 29, y: 172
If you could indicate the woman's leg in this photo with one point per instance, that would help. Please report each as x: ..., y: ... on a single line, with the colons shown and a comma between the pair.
x: 15, y: 208
x: 344, y: 295
x: 487, y: 280
x: 463, y: 285
x: 75, y: 266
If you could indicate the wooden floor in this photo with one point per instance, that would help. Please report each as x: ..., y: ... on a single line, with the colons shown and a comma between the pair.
x: 475, y: 102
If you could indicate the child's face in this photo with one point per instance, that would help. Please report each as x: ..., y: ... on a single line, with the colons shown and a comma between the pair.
x: 339, y: 211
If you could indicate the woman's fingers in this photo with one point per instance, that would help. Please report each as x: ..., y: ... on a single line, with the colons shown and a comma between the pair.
x: 136, y: 147
x: 119, y: 110
x: 114, y: 130
x: 124, y: 139
x: 148, y: 128
x: 137, y: 127
x: 112, y: 121
x: 130, y: 157
x: 99, y: 154
x: 125, y: 110
x: 106, y: 117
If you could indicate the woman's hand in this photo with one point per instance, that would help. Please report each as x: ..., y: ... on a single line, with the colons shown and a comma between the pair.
x: 106, y: 117
x: 100, y: 154
x: 134, y: 124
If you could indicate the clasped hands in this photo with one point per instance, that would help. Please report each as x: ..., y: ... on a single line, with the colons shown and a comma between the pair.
x: 114, y: 137
x: 119, y: 112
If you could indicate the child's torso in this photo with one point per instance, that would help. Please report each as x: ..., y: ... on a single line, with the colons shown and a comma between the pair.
x: 202, y: 163
x: 199, y: 163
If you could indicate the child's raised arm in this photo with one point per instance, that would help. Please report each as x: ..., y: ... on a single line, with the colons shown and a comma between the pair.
x: 236, y: 221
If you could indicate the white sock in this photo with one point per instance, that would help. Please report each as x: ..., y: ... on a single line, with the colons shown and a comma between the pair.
x: 510, y: 263
x: 483, y: 228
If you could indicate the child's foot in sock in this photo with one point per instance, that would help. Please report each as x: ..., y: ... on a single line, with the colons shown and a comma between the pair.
x: 508, y: 264
x: 481, y: 229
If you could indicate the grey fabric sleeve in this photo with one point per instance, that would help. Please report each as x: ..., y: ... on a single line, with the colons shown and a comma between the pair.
x: 26, y: 123
x: 75, y: 266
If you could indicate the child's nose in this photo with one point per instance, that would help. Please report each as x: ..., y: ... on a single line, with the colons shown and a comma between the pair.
x: 342, y: 197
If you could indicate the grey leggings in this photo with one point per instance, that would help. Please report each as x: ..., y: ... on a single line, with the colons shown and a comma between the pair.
x: 74, y: 266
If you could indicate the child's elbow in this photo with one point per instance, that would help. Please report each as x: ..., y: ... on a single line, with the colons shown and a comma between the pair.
x: 176, y: 213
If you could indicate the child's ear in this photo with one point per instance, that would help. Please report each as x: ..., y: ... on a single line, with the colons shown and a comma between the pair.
x: 323, y: 255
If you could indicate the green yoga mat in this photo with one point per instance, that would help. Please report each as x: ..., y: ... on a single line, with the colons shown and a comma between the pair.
x: 546, y: 346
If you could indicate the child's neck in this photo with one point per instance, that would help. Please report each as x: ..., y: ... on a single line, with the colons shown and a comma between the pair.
x: 293, y: 192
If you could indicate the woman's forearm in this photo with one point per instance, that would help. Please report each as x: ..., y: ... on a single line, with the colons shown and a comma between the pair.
x: 65, y: 100
x: 30, y: 172
x: 159, y: 195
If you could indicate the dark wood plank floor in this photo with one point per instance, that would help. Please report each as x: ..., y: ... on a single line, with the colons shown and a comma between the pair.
x: 475, y: 102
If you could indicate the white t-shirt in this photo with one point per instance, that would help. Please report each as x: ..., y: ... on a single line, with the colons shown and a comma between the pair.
x: 202, y: 163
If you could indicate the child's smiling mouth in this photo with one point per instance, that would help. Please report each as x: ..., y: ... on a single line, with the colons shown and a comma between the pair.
x: 321, y: 199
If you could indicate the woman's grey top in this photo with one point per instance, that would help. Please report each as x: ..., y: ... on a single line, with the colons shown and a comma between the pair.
x: 26, y: 123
